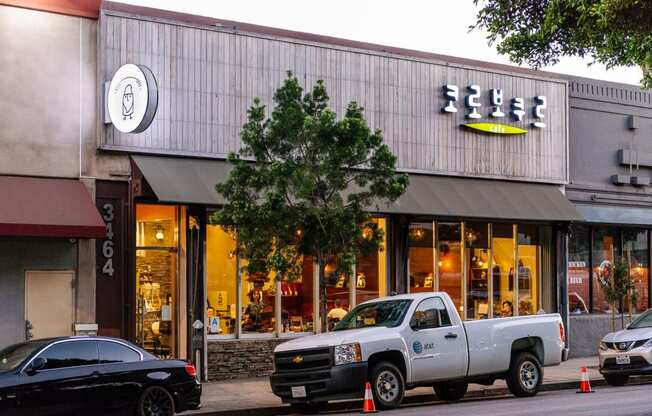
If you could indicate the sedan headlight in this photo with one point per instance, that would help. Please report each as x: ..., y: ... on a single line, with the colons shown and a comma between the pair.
x: 347, y: 354
x: 603, y: 346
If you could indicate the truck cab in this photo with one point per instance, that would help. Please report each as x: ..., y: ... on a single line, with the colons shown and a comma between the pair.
x: 401, y: 342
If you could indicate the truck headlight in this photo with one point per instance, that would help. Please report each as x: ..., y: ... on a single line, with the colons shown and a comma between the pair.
x: 347, y: 354
x: 603, y: 346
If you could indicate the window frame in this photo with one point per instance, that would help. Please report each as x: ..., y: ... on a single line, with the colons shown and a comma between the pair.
x: 109, y: 341
x: 434, y: 299
x: 49, y: 346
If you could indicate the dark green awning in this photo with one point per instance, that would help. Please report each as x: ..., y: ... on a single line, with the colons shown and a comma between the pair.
x: 444, y: 196
x: 193, y: 181
x: 615, y: 215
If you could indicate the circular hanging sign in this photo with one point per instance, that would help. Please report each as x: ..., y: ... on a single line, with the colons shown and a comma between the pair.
x: 132, y: 98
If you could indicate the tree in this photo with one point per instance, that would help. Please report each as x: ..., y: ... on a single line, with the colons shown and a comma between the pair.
x: 618, y: 287
x: 539, y: 32
x: 302, y: 184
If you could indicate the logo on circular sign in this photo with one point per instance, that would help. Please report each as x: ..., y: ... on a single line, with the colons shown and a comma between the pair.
x: 417, y: 347
x: 132, y: 98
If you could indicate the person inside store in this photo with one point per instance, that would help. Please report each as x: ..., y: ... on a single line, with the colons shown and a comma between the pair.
x: 507, y: 310
x: 336, y: 314
x: 254, y: 313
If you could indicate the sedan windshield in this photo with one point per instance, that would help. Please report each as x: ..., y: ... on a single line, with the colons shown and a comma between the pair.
x: 643, y: 321
x: 12, y: 356
x: 387, y: 313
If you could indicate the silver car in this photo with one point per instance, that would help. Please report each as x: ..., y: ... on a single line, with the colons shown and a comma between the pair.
x: 628, y: 352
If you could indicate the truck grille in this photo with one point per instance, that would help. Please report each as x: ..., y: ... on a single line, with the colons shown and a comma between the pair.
x: 311, y: 359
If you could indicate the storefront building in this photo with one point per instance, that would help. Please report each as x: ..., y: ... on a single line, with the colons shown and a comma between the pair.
x: 610, y: 186
x: 484, y: 218
x: 48, y: 219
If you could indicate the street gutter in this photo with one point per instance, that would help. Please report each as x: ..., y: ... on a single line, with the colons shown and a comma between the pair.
x: 420, y: 399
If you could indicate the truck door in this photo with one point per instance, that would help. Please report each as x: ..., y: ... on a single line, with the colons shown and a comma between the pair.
x: 437, y: 345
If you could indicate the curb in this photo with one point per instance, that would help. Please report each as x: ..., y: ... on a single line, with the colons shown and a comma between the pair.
x: 410, y: 400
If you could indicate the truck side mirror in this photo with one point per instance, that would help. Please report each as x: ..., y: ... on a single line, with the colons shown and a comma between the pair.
x: 37, y: 364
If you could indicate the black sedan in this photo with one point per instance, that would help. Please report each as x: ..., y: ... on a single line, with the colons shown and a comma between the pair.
x: 93, y: 375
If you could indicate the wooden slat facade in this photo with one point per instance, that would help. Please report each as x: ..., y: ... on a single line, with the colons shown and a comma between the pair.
x: 208, y: 77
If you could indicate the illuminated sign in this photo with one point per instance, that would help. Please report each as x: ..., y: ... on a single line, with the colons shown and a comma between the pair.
x: 498, y: 109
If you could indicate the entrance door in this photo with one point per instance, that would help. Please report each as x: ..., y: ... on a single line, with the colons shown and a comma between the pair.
x: 49, y: 302
x: 436, y: 345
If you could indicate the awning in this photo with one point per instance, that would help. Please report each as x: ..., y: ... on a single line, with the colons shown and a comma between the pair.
x: 190, y: 181
x: 615, y: 215
x: 193, y: 181
x: 39, y: 207
x: 444, y: 196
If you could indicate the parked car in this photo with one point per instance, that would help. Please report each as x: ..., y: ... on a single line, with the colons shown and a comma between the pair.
x: 93, y: 375
x: 401, y: 342
x: 628, y: 352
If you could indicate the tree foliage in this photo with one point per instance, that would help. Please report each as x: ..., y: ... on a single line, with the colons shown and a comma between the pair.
x: 539, y: 32
x: 303, y: 182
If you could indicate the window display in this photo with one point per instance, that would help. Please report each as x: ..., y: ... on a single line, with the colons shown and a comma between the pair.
x: 579, y: 271
x: 258, y: 300
x: 449, y: 236
x: 156, y: 277
x: 502, y: 270
x: 528, y: 269
x: 297, y: 301
x: 476, y: 245
x: 371, y: 271
x: 606, y: 247
x: 221, y: 274
x: 421, y: 257
x: 337, y: 295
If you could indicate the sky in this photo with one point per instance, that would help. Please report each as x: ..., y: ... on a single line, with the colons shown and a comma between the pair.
x: 439, y: 26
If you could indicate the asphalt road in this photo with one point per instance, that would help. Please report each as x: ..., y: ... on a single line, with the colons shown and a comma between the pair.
x: 607, y: 401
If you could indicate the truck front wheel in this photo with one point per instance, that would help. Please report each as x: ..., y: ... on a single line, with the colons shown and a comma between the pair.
x: 387, y: 385
x: 450, y: 392
x: 525, y: 376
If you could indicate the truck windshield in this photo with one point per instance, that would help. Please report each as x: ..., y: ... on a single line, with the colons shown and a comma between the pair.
x: 643, y: 321
x: 387, y: 313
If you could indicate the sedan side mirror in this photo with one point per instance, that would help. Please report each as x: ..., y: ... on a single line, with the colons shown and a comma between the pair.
x: 37, y: 364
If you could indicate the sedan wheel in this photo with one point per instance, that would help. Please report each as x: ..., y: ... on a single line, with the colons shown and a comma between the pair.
x: 155, y: 401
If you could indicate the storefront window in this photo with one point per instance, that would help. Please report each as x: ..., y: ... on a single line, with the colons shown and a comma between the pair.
x: 338, y: 295
x: 221, y: 274
x: 578, y: 270
x: 157, y: 233
x: 503, y: 269
x: 635, y: 252
x: 606, y: 247
x: 258, y: 300
x: 476, y: 244
x: 371, y: 271
x: 528, y: 269
x: 449, y: 236
x: 297, y: 301
x: 421, y: 257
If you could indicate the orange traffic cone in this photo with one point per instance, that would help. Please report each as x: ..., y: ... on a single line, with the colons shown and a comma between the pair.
x: 585, y: 385
x: 368, y: 406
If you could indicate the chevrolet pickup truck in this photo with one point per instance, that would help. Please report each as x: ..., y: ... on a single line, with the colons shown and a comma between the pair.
x: 401, y: 342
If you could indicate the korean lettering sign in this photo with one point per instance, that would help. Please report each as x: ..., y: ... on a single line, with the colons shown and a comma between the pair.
x: 498, y: 108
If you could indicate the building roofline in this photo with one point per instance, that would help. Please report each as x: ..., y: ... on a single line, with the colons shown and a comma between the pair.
x: 78, y: 8
x: 192, y: 19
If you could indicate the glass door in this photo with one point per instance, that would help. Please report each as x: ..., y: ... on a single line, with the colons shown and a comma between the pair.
x: 157, y: 271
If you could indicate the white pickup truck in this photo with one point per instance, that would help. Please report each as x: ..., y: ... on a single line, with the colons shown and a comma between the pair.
x: 401, y: 342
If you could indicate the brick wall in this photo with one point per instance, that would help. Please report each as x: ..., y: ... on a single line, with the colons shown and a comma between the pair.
x: 241, y: 358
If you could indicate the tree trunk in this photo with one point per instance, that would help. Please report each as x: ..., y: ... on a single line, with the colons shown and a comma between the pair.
x: 613, y: 317
x: 323, y: 301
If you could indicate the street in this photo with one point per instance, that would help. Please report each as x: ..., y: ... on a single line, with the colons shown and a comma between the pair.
x: 606, y: 401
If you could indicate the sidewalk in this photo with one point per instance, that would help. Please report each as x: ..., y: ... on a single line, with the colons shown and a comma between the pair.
x: 254, y: 395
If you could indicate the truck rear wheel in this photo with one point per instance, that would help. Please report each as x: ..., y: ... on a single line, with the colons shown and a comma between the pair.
x: 387, y: 385
x: 525, y: 376
x: 450, y: 392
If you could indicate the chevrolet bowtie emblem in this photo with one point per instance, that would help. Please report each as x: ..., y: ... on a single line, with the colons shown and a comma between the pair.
x: 297, y: 359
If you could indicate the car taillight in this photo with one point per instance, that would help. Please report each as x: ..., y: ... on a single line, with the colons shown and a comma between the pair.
x: 190, y: 369
x: 562, y: 332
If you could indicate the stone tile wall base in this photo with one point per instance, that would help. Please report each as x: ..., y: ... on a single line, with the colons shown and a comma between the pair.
x: 241, y: 358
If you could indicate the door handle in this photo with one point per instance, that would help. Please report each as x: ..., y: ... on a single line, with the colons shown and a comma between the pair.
x: 450, y: 335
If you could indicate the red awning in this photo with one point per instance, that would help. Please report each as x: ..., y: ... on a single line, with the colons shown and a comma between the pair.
x: 38, y: 207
